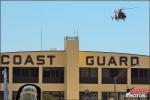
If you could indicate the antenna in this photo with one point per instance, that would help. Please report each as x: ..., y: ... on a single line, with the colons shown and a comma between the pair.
x: 41, y: 38
x: 41, y: 33
x: 74, y: 32
x: 77, y: 34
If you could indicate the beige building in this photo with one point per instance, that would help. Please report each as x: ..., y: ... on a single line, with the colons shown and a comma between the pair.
x: 74, y: 74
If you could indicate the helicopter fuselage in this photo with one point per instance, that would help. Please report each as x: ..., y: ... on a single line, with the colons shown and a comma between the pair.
x: 119, y: 15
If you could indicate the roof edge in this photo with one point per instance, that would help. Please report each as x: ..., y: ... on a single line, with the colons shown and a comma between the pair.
x: 116, y: 53
x: 35, y: 51
x: 80, y: 51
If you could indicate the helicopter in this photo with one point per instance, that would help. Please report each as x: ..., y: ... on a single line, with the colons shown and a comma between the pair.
x: 120, y: 14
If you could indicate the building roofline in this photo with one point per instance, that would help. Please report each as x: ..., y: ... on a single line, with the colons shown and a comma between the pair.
x: 116, y: 53
x: 80, y: 51
x: 35, y: 51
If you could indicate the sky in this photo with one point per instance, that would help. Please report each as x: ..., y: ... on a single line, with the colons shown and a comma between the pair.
x: 23, y: 21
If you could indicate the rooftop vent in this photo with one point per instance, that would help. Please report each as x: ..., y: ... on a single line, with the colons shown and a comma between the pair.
x: 54, y: 49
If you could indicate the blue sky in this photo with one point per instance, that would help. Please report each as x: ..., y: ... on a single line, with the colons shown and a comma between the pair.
x: 22, y: 21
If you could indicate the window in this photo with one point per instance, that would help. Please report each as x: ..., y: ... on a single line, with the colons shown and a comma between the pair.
x: 53, y: 75
x: 110, y: 95
x: 134, y: 73
x: 109, y: 74
x: 148, y: 96
x: 53, y: 95
x: 1, y: 95
x: 140, y: 76
x: 25, y: 74
x: 89, y: 75
x: 14, y: 94
x: 1, y: 78
x: 88, y: 96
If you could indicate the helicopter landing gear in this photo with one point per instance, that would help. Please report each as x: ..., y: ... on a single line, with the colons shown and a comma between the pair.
x: 112, y: 17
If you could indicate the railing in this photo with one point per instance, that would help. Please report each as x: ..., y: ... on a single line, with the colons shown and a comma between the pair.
x: 71, y: 38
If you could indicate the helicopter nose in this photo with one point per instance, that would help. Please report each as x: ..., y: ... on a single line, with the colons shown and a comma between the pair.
x: 114, y: 10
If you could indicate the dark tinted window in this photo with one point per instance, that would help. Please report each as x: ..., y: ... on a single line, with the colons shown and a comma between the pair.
x: 89, y: 75
x: 88, y: 95
x: 14, y: 94
x: 53, y: 95
x: 1, y: 95
x: 110, y: 96
x: 25, y: 75
x: 53, y: 75
x: 109, y: 74
x: 140, y: 76
x: 1, y: 75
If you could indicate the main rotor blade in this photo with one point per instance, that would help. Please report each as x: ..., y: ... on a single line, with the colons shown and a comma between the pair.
x: 132, y: 8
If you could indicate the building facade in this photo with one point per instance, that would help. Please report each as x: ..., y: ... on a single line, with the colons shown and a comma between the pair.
x: 74, y: 74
